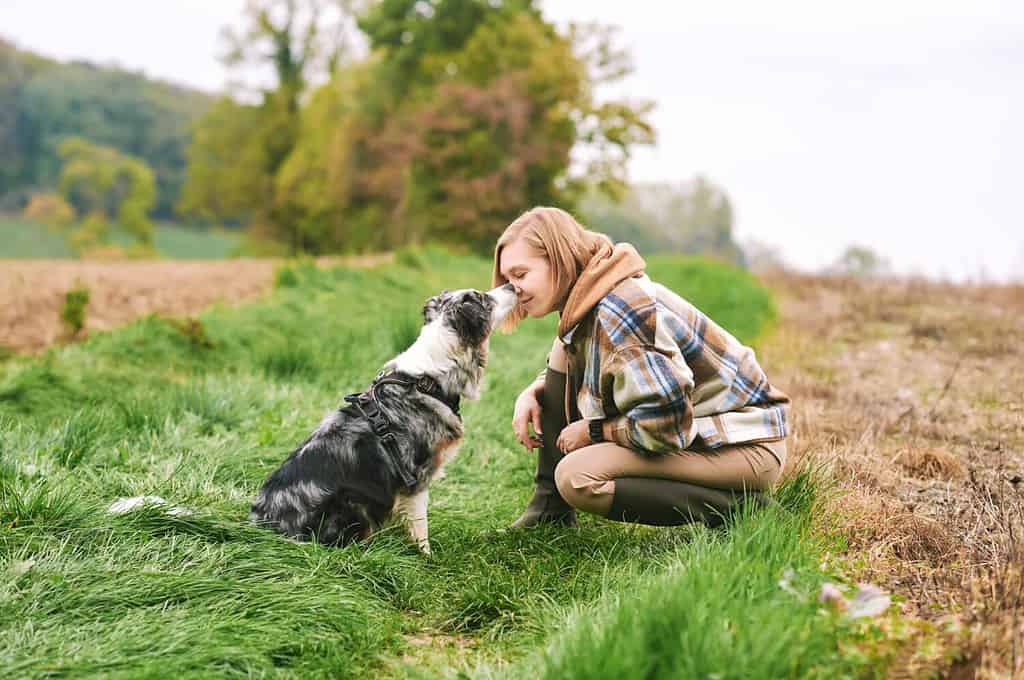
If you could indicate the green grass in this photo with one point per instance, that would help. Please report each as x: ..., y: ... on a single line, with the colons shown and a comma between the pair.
x: 22, y: 239
x: 149, y: 410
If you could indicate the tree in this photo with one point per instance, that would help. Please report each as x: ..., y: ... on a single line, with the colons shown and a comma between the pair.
x: 860, y: 261
x: 465, y: 113
x: 228, y: 172
x: 488, y: 102
x: 301, y: 40
x: 49, y: 209
x: 693, y: 217
x: 103, y: 185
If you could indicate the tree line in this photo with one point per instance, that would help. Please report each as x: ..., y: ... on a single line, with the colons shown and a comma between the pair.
x: 386, y: 122
x: 44, y: 102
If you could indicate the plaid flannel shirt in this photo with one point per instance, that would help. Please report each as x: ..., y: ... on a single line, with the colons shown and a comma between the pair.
x: 663, y: 374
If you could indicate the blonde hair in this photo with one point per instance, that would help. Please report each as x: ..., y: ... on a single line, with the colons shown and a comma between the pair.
x: 555, y: 235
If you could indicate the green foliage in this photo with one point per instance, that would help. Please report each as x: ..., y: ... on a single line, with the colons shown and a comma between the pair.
x: 465, y: 114
x: 193, y: 330
x: 50, y: 101
x: 227, y: 169
x: 105, y: 185
x: 285, y: 277
x: 718, y: 611
x: 72, y: 311
x: 732, y: 297
x: 50, y: 209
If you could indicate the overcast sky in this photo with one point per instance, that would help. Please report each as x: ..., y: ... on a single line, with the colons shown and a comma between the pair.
x: 895, y: 124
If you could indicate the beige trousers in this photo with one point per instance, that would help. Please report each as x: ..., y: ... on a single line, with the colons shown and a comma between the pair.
x: 586, y: 477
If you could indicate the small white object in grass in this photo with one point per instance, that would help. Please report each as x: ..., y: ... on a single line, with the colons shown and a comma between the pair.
x: 786, y: 583
x: 869, y: 600
x: 833, y: 597
x: 19, y: 567
x: 123, y: 505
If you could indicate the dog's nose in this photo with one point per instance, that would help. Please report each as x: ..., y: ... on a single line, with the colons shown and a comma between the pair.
x: 510, y: 288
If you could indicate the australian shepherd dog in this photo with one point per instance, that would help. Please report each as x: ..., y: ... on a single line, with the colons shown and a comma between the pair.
x: 376, y: 456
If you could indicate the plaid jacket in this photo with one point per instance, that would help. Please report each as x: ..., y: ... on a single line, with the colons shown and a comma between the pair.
x: 664, y: 374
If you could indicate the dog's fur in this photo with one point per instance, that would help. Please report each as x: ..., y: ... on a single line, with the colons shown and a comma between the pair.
x: 341, y: 484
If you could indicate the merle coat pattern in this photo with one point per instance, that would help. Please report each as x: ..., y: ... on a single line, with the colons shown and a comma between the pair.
x: 342, y: 483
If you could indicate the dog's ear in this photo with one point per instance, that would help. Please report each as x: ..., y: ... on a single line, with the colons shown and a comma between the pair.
x: 433, y: 306
x: 431, y: 309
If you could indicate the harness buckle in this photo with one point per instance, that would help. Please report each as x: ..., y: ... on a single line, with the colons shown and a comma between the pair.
x: 380, y: 428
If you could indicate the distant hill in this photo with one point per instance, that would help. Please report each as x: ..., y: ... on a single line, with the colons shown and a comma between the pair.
x: 43, y: 101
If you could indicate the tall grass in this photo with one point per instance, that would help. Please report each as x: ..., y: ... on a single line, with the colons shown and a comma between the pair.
x: 146, y: 410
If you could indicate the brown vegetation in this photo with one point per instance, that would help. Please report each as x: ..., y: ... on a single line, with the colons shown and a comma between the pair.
x: 912, y: 394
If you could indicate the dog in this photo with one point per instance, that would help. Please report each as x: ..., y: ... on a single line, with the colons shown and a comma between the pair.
x: 376, y: 457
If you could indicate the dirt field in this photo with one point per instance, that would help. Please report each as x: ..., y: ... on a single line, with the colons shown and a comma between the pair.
x: 911, y: 393
x: 32, y: 292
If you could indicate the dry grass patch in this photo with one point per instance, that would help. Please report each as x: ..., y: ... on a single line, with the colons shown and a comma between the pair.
x: 929, y: 462
x: 909, y: 393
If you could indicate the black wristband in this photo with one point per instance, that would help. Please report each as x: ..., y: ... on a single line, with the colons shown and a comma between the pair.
x: 596, y: 428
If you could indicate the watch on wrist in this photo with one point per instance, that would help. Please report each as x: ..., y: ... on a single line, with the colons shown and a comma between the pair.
x: 596, y: 428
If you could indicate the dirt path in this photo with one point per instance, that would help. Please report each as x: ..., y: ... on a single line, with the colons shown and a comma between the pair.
x: 32, y: 291
x: 913, y: 395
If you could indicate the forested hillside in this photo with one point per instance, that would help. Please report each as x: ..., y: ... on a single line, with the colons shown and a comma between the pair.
x: 43, y: 102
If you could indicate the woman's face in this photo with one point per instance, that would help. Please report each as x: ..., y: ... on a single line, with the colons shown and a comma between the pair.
x: 530, y: 274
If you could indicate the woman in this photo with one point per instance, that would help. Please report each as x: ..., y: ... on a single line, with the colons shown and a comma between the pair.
x: 647, y: 411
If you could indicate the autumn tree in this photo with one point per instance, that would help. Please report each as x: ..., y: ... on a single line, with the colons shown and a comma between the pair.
x: 104, y: 186
x: 301, y: 40
x: 465, y: 113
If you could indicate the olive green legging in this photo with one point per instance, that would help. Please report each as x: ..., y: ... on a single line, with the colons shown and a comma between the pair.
x: 697, y: 484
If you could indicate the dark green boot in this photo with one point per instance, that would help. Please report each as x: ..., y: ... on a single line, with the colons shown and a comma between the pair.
x: 547, y: 506
x: 666, y: 502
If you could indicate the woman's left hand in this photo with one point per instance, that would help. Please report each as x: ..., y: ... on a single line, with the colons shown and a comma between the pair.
x: 574, y: 436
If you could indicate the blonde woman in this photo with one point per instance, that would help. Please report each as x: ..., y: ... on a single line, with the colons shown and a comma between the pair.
x: 647, y: 411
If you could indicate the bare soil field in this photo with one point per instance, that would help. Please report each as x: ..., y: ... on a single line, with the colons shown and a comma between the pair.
x: 912, y: 394
x: 32, y: 292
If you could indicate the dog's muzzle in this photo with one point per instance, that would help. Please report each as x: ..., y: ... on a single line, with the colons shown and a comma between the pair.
x: 505, y: 299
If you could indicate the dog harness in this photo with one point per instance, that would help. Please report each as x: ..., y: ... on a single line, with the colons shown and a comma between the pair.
x: 368, y: 404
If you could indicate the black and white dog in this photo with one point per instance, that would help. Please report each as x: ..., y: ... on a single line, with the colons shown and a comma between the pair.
x: 377, y: 456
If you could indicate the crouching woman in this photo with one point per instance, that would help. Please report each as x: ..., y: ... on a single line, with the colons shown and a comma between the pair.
x: 648, y: 411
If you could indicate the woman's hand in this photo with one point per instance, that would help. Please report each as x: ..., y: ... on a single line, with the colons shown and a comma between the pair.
x: 527, y: 412
x: 575, y: 436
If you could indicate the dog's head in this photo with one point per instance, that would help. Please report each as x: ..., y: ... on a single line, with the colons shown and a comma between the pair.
x: 462, y: 322
x: 470, y: 315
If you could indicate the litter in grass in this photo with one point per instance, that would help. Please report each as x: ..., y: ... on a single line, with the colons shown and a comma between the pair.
x: 123, y: 505
x: 868, y: 601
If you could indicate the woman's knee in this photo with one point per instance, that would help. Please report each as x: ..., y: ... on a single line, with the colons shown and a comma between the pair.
x: 580, y: 487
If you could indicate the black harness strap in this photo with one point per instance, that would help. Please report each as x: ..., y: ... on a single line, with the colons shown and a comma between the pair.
x: 369, y: 406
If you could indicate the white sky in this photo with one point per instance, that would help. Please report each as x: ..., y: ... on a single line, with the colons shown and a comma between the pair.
x: 887, y: 123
